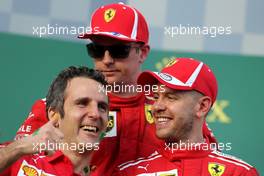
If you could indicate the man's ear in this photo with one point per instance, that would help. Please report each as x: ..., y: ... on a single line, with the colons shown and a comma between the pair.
x: 144, y: 53
x: 54, y: 115
x: 204, y: 106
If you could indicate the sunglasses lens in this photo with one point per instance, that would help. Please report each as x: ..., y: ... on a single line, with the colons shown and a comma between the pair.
x: 95, y: 51
x: 116, y: 51
x: 119, y: 51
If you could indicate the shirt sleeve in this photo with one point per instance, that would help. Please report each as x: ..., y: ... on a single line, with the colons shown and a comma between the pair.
x: 36, y: 118
x: 252, y: 172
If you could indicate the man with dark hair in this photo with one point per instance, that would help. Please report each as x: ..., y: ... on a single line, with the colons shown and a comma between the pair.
x: 56, y: 92
x: 186, y: 93
x: 119, y: 46
x: 78, y: 115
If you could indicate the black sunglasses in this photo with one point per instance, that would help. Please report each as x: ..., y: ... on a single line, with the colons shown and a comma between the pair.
x: 118, y: 51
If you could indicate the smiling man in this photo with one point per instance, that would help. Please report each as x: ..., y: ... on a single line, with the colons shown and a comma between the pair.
x: 119, y: 45
x: 79, y: 115
x: 179, y: 112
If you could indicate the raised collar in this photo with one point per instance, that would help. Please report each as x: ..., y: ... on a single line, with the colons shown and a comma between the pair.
x: 58, y: 155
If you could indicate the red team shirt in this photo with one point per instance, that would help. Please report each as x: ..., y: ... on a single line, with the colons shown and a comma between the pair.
x: 131, y: 132
x: 189, y: 162
x: 36, y: 118
x: 127, y: 139
x: 42, y: 165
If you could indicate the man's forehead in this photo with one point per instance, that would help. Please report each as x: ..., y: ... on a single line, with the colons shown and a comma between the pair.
x: 100, y: 98
x: 81, y: 87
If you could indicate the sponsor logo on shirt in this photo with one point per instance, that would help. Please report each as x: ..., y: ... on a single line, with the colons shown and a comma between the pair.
x: 111, y: 126
x: 173, y: 172
x: 25, y: 129
x: 30, y: 170
x: 144, y: 167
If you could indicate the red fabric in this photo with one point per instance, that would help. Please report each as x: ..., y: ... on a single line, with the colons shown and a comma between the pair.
x: 40, y: 164
x: 135, y: 136
x: 184, y: 74
x: 36, y: 118
x: 187, y: 163
x: 126, y: 24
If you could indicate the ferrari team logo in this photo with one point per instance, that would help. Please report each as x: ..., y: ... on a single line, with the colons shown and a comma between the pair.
x: 216, y: 169
x: 109, y: 14
x: 171, y: 62
x: 148, y: 114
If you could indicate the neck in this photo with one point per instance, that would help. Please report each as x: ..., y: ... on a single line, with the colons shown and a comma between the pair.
x: 80, y: 161
x: 195, y: 136
x: 193, y: 139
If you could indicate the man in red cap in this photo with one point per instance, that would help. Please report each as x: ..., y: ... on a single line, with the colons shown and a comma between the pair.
x: 119, y: 46
x: 187, y: 89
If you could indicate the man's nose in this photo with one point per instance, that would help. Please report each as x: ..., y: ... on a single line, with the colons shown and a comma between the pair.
x: 93, y: 111
x: 107, y: 59
x: 158, y: 106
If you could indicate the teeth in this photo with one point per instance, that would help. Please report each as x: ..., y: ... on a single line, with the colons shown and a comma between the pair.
x: 161, y: 119
x: 90, y: 128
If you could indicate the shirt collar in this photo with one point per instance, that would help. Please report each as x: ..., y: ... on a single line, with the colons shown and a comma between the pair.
x: 57, y: 155
x: 186, y: 152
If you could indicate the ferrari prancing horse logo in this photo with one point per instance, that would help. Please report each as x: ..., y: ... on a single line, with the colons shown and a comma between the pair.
x: 171, y: 62
x: 148, y: 114
x: 109, y: 14
x: 216, y: 169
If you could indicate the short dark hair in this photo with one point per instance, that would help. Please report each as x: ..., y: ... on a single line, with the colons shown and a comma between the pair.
x: 56, y: 93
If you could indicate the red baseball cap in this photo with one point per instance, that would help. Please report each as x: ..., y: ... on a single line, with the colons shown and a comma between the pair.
x: 184, y: 74
x: 120, y: 22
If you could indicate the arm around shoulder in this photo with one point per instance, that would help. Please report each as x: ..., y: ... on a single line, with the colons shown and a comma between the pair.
x: 11, y: 153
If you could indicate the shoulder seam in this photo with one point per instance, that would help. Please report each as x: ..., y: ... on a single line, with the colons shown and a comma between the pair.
x: 230, y: 157
x: 140, y: 158
x: 230, y: 161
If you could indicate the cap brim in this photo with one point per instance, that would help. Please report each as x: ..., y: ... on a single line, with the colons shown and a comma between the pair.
x: 151, y: 78
x: 94, y: 36
x: 147, y: 78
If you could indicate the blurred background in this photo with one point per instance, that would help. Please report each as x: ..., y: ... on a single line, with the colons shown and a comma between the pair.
x: 230, y: 39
